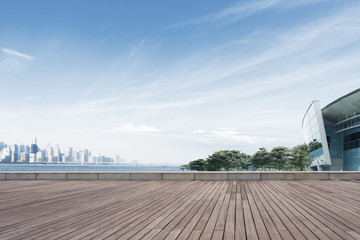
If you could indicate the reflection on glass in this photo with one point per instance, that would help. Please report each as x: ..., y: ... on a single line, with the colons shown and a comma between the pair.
x: 314, y: 145
x: 312, y: 137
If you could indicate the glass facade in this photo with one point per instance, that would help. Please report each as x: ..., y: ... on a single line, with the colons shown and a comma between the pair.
x: 352, y: 150
x: 333, y: 134
x: 313, y: 129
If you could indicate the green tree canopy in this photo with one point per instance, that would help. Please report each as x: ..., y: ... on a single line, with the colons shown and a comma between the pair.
x: 197, y: 165
x: 227, y: 159
x: 261, y: 159
x: 299, y: 157
x: 280, y: 157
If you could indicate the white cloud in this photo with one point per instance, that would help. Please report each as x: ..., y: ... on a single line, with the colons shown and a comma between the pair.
x: 199, y: 131
x: 14, y: 53
x: 130, y: 128
x: 30, y: 98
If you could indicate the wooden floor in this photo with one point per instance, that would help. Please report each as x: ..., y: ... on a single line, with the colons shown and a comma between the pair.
x: 179, y: 210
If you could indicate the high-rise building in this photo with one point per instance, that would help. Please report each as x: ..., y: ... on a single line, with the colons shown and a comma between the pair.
x: 2, y: 146
x: 6, y: 155
x: 56, y: 153
x: 40, y: 156
x: 24, y: 157
x: 15, y: 153
x: 34, y: 147
x: 85, y: 156
x: 70, y: 155
x: 49, y: 154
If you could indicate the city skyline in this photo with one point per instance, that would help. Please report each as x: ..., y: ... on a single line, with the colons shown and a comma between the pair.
x: 51, y: 153
x: 172, y: 81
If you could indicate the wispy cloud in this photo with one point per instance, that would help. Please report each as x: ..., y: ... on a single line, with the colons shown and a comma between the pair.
x: 240, y: 10
x: 130, y: 128
x: 14, y: 53
x: 93, y: 106
x: 136, y: 49
x: 230, y: 14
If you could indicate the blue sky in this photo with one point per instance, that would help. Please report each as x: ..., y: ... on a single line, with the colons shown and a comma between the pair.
x: 171, y: 81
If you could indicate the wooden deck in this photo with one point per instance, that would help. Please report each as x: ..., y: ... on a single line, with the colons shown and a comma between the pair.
x: 180, y: 210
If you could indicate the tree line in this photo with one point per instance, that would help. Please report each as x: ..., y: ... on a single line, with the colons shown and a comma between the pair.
x: 279, y: 158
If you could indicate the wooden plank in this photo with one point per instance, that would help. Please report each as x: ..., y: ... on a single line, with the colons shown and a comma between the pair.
x: 322, y: 216
x: 229, y: 232
x: 270, y: 225
x: 179, y: 209
x: 190, y: 227
x: 258, y: 221
x: 210, y: 226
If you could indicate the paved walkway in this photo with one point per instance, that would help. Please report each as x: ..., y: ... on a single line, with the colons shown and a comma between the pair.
x: 180, y: 210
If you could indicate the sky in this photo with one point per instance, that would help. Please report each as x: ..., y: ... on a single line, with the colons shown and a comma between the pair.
x: 171, y: 81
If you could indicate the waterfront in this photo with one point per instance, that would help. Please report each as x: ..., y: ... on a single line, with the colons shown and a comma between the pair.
x: 86, y: 168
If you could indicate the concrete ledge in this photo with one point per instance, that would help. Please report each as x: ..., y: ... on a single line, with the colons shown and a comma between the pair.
x: 179, y: 176
x: 2, y: 176
x: 20, y: 176
x: 82, y: 176
x: 114, y: 176
x: 277, y: 176
x: 211, y: 176
x: 51, y: 176
x: 146, y: 176
x: 344, y: 176
x: 312, y: 176
x: 244, y: 176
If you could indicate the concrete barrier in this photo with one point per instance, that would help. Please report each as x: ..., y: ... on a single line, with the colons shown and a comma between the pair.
x: 312, y: 176
x: 243, y: 175
x: 180, y: 176
x: 50, y: 176
x: 146, y: 176
x: 344, y: 176
x: 211, y: 176
x: 114, y: 176
x: 82, y: 176
x: 277, y: 176
x: 20, y: 176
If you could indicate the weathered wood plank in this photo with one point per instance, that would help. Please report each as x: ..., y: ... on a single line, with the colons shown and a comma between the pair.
x: 180, y: 209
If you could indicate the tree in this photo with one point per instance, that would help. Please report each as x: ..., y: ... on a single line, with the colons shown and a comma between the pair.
x: 300, y: 157
x: 227, y: 159
x: 279, y: 157
x: 261, y: 159
x: 183, y: 167
x: 198, y: 165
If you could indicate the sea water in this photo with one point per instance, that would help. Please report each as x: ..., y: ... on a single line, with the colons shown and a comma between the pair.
x: 85, y: 168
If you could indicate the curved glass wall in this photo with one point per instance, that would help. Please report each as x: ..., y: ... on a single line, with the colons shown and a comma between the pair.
x: 312, y: 134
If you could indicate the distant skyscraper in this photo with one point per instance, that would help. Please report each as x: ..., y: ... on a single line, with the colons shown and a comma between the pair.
x: 24, y: 157
x: 6, y: 155
x: 2, y: 146
x: 56, y: 153
x: 15, y: 153
x: 85, y: 156
x: 49, y: 154
x: 34, y: 147
x: 70, y: 154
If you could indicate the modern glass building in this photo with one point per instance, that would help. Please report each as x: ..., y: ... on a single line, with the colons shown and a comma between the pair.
x: 333, y: 134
